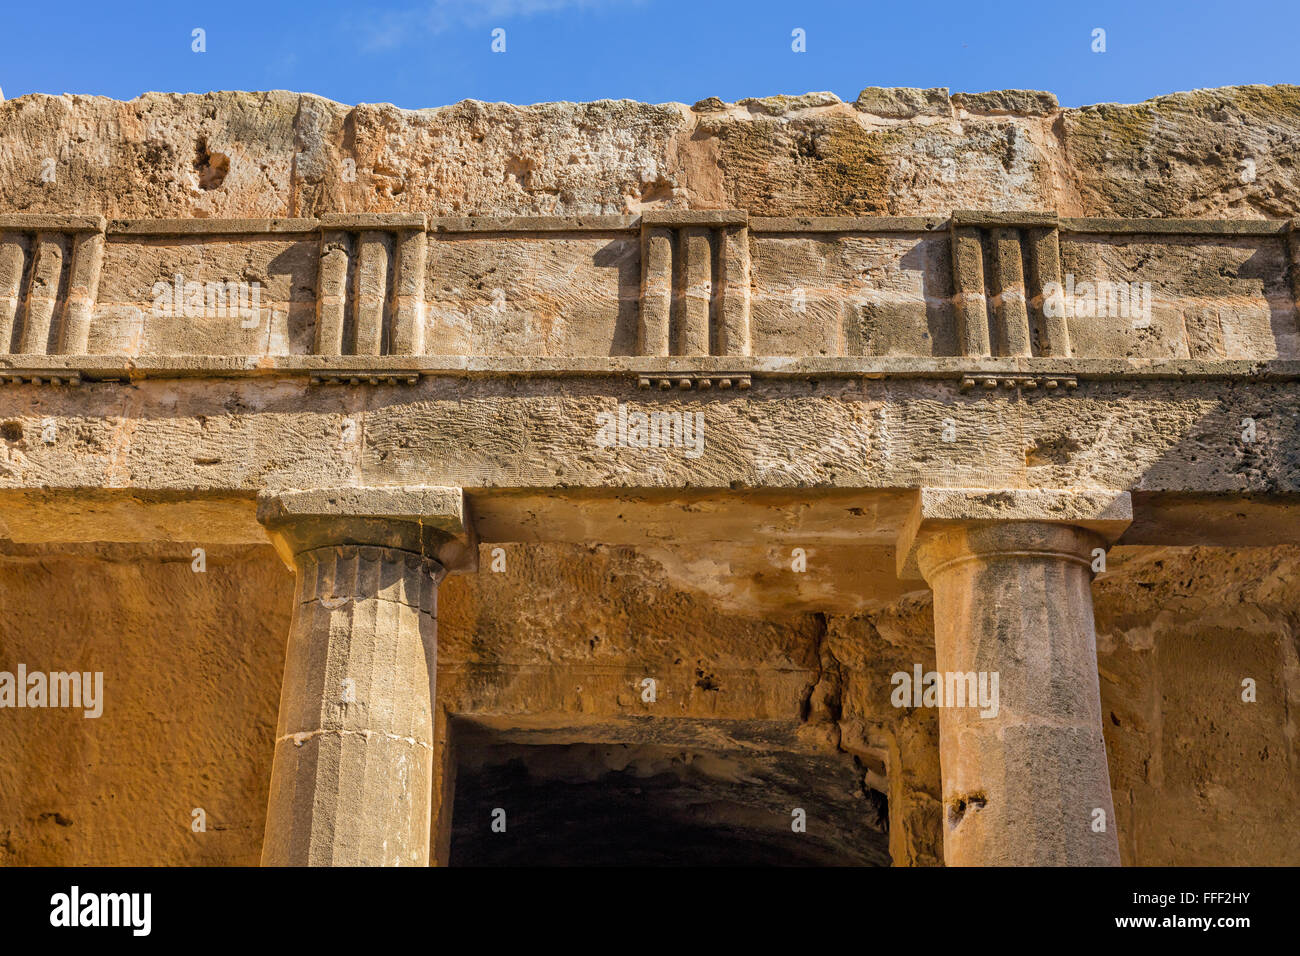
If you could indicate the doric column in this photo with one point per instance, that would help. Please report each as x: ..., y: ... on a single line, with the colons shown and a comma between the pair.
x: 1025, y: 780
x: 351, y: 780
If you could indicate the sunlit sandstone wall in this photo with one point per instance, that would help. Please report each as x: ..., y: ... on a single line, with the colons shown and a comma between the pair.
x: 892, y: 152
x: 884, y: 290
x: 198, y: 661
x: 574, y: 286
x: 196, y: 667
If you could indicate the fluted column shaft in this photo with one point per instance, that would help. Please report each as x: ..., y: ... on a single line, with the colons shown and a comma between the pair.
x: 1028, y: 785
x: 353, y: 767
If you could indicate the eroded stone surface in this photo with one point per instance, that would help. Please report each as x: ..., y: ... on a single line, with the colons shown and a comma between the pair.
x: 602, y: 567
x: 1196, y: 773
x: 282, y: 154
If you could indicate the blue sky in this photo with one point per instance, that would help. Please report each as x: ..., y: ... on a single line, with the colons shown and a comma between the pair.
x: 435, y: 52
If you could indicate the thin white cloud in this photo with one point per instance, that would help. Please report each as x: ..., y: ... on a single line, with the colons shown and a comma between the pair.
x: 385, y: 30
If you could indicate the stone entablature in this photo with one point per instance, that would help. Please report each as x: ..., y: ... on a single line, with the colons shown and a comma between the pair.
x: 720, y: 283
x: 444, y: 427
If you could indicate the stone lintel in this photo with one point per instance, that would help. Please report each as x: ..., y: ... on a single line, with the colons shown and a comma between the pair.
x: 51, y: 223
x: 695, y: 217
x: 988, y: 219
x: 873, y: 367
x: 1107, y: 513
x: 527, y: 224
x: 1175, y: 227
x: 975, y: 218
x: 852, y: 224
x: 374, y: 221
x: 211, y: 227
x: 425, y: 519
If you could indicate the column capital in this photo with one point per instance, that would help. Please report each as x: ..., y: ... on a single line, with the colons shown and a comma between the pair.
x: 1105, y: 513
x: 352, y: 776
x: 429, y: 520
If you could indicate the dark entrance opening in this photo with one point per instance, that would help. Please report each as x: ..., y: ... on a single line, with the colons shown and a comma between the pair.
x: 653, y: 805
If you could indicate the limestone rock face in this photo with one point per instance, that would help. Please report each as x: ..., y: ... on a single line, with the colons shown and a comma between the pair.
x: 772, y: 689
x: 1195, y: 775
x: 1230, y: 152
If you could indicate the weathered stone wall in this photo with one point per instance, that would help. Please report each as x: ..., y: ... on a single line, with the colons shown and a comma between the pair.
x: 893, y: 152
x: 194, y: 665
x: 575, y: 287
x: 752, y: 665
